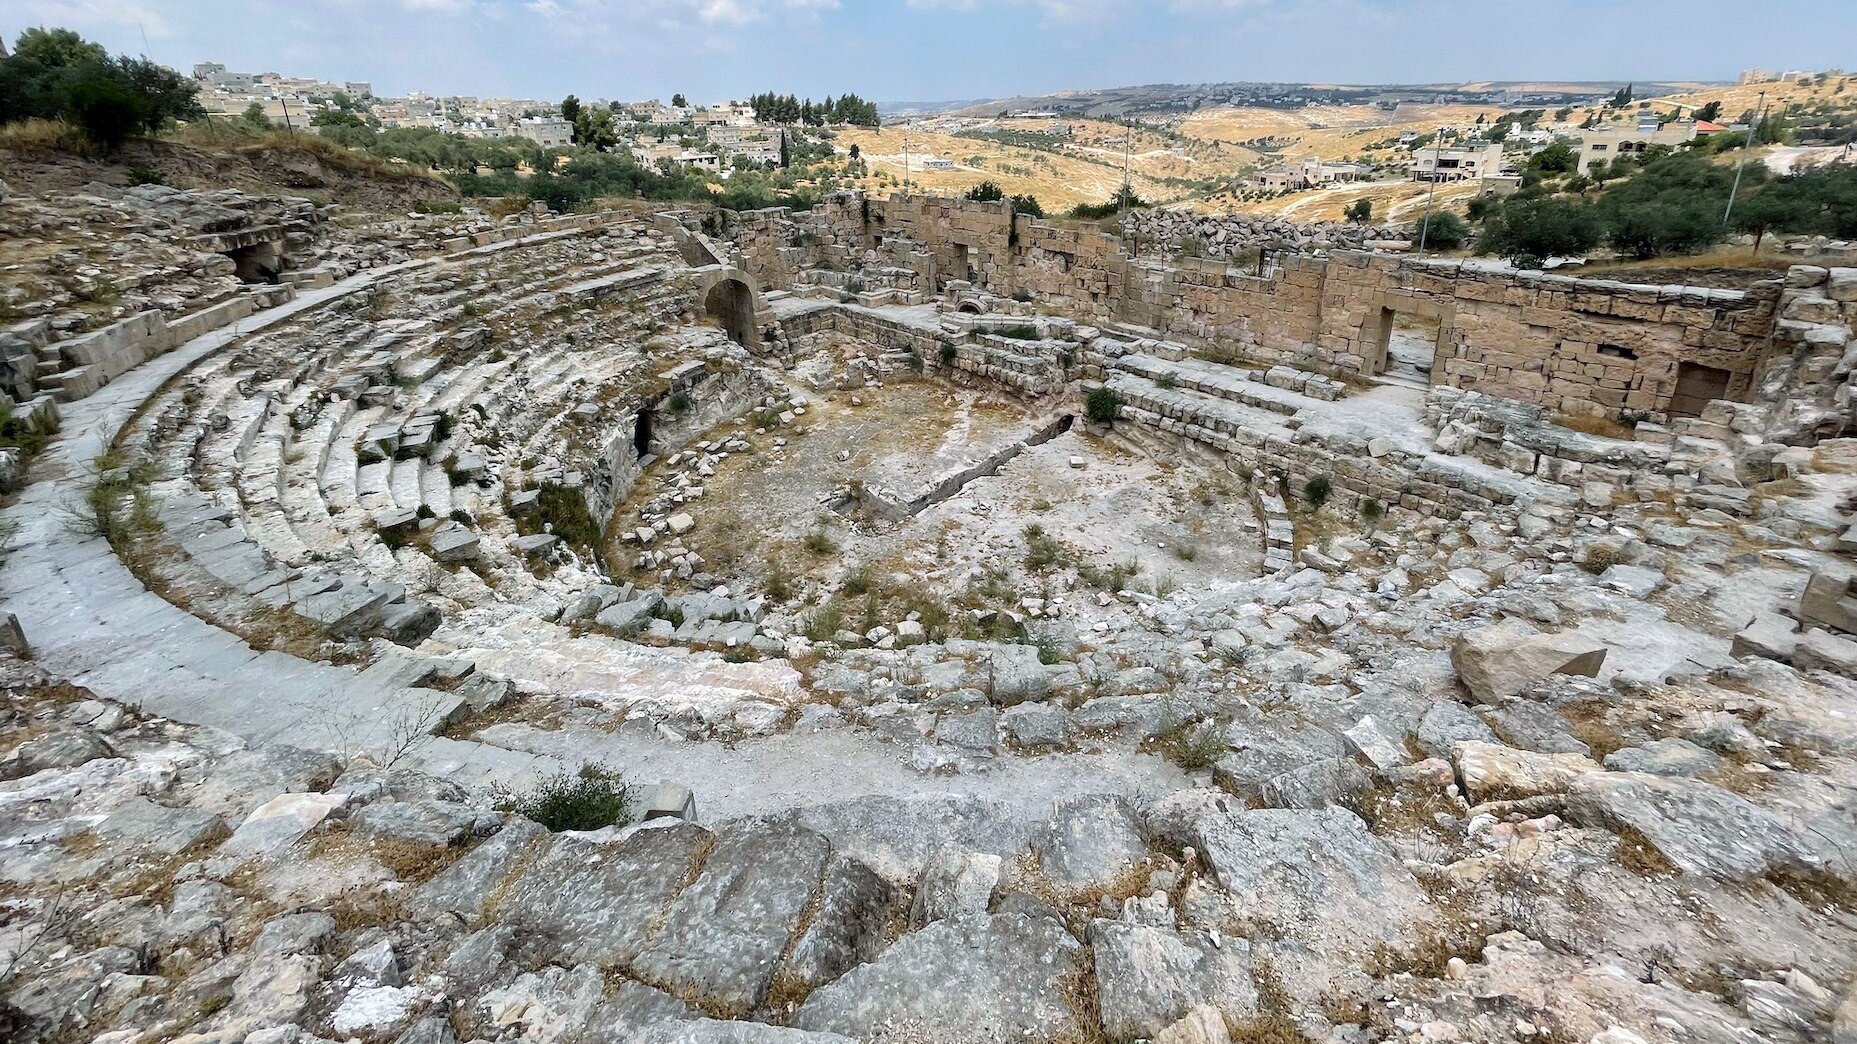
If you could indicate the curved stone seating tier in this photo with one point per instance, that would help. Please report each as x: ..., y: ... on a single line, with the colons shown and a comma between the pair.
x: 285, y: 450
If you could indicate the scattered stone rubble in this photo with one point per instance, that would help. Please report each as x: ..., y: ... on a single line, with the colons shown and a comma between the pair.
x: 1233, y: 237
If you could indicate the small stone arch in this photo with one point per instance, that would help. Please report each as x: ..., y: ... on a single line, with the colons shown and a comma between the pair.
x: 971, y: 307
x: 733, y: 297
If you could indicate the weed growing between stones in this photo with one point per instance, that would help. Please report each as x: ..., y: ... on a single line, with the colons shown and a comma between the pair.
x: 1317, y: 491
x: 1101, y: 405
x: 592, y: 799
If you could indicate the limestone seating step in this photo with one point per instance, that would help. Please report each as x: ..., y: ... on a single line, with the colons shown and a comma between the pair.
x: 1208, y: 411
x: 1226, y: 382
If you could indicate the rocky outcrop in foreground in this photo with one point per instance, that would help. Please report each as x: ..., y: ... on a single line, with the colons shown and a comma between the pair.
x: 165, y: 882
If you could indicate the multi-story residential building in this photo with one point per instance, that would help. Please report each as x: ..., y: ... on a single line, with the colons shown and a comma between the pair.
x: 1466, y: 162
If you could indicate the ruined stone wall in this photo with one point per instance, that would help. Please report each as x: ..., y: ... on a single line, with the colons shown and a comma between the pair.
x: 1030, y: 369
x: 1572, y: 345
x: 1806, y: 388
x: 1579, y: 346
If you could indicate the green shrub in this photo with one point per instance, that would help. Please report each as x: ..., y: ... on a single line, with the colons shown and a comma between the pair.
x: 822, y: 623
x: 1316, y: 491
x: 1444, y: 231
x: 1042, y: 550
x: 680, y: 402
x: 819, y: 542
x: 1373, y: 511
x: 590, y: 800
x: 948, y: 354
x: 1101, y: 406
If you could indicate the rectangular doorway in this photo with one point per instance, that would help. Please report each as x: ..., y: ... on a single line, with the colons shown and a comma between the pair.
x: 1696, y: 386
x: 1407, y: 346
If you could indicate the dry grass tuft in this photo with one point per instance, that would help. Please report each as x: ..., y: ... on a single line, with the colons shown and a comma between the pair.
x: 37, y: 136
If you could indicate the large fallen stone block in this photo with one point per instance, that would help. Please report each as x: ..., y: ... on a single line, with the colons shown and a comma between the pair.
x: 971, y: 980
x: 1148, y: 978
x: 1770, y: 635
x: 722, y: 938
x: 1500, y: 660
x: 1492, y: 771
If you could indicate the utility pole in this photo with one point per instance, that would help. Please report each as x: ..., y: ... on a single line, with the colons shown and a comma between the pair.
x: 1437, y: 150
x: 1746, y: 144
x: 905, y: 163
x: 285, y: 102
x: 1127, y: 188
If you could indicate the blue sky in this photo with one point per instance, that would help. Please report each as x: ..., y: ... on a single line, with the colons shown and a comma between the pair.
x: 922, y: 50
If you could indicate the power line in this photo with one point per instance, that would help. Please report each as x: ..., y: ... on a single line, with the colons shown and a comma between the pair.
x: 1746, y: 144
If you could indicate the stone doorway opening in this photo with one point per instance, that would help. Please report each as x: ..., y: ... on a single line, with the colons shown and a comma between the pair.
x: 1696, y: 386
x: 1406, y: 346
x: 260, y: 262
x: 641, y: 435
x: 731, y: 302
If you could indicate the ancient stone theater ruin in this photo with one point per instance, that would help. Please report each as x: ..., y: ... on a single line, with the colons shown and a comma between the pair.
x: 907, y: 621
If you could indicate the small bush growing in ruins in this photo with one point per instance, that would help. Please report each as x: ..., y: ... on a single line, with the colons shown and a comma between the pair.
x: 822, y: 623
x: 1113, y: 579
x: 1048, y: 652
x: 1372, y: 511
x: 915, y: 359
x: 1197, y: 747
x: 563, y: 512
x: 948, y: 354
x: 777, y: 586
x: 1167, y: 381
x: 1317, y: 490
x: 1101, y: 406
x: 1042, y: 550
x: 819, y: 542
x: 1186, y: 550
x: 1597, y: 558
x: 592, y: 799
x: 857, y: 581
x: 1022, y: 332
x: 680, y: 402
x: 118, y: 506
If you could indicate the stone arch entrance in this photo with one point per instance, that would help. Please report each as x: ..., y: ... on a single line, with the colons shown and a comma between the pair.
x: 730, y: 297
x: 971, y: 307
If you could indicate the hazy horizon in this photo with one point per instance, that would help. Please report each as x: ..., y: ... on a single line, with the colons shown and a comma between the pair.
x: 940, y: 50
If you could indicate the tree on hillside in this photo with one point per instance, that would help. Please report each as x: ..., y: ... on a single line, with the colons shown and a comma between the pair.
x: 57, y: 74
x: 1710, y: 112
x: 108, y: 111
x: 986, y: 192
x: 678, y: 101
x: 570, y: 109
x: 1558, y: 158
x: 253, y: 118
x: 1443, y: 231
x: 58, y: 49
x: 1360, y: 211
x: 1027, y: 205
x: 1540, y: 227
x: 1622, y: 98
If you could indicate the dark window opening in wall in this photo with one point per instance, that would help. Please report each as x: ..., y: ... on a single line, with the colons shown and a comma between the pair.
x: 878, y: 240
x: 1696, y: 386
x: 1617, y: 351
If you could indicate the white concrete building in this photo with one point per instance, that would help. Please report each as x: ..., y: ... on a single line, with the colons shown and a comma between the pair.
x: 550, y: 132
x: 1466, y: 162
